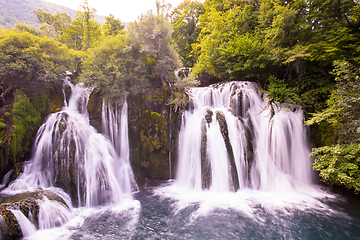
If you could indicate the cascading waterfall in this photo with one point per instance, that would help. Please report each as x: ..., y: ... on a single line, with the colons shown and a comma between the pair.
x: 115, y: 126
x: 76, y: 162
x: 233, y: 139
x: 27, y: 228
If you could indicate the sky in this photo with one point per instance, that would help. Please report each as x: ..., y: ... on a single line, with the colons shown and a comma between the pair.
x: 125, y: 10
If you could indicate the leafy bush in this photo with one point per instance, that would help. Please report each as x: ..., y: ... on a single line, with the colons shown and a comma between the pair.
x: 27, y: 116
x: 339, y: 165
x: 32, y: 64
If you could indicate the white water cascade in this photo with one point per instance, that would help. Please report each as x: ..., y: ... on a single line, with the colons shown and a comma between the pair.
x: 70, y: 154
x: 27, y: 228
x: 115, y: 126
x: 232, y: 139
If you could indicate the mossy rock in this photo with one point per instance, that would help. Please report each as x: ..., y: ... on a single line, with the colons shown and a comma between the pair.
x: 220, y: 117
x: 208, y: 116
x: 9, y: 225
x: 28, y: 204
x: 206, y: 176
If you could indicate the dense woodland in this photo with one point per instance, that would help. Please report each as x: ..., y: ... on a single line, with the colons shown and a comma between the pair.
x: 299, y: 52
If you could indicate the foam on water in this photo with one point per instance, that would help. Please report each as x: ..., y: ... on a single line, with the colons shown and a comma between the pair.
x: 249, y: 202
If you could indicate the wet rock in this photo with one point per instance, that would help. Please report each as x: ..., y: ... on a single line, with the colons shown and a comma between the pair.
x: 206, y: 177
x: 208, y: 116
x: 220, y: 117
x: 28, y: 204
x: 10, y: 228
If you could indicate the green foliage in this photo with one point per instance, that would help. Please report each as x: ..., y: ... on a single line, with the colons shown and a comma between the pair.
x: 227, y: 43
x: 339, y: 165
x: 21, y: 27
x: 343, y: 111
x: 7, y: 114
x: 113, y: 26
x: 296, y: 41
x: 27, y: 116
x: 31, y: 63
x: 152, y: 32
x: 83, y: 32
x: 2, y: 125
x: 116, y: 68
x: 52, y: 25
x: 278, y: 91
x: 185, y: 20
x: 179, y: 98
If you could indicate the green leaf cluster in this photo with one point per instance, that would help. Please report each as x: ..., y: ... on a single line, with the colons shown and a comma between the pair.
x: 296, y: 41
x: 339, y: 165
x: 83, y: 32
x: 152, y: 32
x: 343, y: 111
x: 32, y: 64
x: 27, y: 116
x: 116, y: 68
x: 185, y: 19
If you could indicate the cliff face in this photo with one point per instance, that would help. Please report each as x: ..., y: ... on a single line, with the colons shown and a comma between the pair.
x: 20, y: 118
x: 152, y: 141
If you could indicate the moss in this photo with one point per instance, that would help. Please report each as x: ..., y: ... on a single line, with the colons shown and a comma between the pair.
x: 27, y: 116
x: 220, y: 117
x: 149, y: 134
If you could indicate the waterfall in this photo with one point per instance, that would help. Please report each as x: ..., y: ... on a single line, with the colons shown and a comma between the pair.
x: 6, y: 179
x: 52, y: 213
x: 231, y: 139
x: 70, y: 154
x: 115, y: 127
x: 27, y: 228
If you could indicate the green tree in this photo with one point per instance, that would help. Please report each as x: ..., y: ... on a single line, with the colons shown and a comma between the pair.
x: 22, y: 27
x: 53, y: 25
x: 339, y: 163
x: 116, y: 68
x: 343, y: 111
x: 228, y: 45
x: 32, y: 64
x: 152, y: 32
x: 83, y: 32
x: 185, y: 20
x: 113, y: 26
